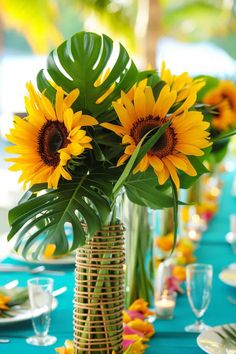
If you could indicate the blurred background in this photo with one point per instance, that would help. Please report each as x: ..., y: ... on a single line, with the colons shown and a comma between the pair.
x: 194, y: 36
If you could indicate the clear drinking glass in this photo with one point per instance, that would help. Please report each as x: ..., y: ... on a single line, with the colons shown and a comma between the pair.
x: 199, y: 284
x: 40, y: 296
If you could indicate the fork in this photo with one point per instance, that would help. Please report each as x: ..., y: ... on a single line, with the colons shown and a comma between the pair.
x: 4, y: 340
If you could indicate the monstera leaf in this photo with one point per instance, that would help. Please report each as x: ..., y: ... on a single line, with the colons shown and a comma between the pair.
x: 79, y: 62
x: 42, y: 218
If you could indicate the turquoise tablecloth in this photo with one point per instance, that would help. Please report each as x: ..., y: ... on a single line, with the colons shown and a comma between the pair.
x: 170, y: 337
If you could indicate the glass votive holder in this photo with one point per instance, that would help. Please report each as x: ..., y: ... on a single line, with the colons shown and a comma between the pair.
x: 165, y: 305
x: 194, y: 235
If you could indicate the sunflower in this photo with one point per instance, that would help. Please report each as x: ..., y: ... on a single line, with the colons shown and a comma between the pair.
x: 48, y: 137
x: 183, y: 84
x: 186, y: 134
x: 224, y: 98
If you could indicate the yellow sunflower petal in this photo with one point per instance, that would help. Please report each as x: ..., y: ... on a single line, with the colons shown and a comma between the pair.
x: 165, y: 91
x: 150, y: 101
x: 68, y: 119
x: 178, y: 162
x: 162, y: 175
x: 167, y: 104
x: 115, y: 128
x: 59, y: 104
x: 71, y: 97
x: 122, y: 159
x: 127, y: 139
x: 48, y: 108
x: 155, y: 162
x: 140, y: 103
x: 87, y: 120
x: 130, y: 149
x: 172, y: 170
x: 190, y: 169
x: 189, y: 102
x: 123, y: 115
x: 65, y: 174
x: 189, y: 149
x: 129, y: 106
x: 144, y: 163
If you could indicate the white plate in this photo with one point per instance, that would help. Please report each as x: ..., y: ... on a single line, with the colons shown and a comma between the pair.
x: 25, y: 313
x: 69, y: 259
x: 211, y: 343
x: 228, y: 276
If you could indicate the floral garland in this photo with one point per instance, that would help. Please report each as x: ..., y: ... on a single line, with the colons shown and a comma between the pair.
x: 137, y: 330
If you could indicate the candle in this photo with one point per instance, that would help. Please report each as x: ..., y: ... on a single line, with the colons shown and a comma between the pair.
x: 165, y: 306
x: 195, y: 235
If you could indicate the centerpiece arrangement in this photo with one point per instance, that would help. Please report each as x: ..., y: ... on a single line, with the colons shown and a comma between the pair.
x: 96, y: 127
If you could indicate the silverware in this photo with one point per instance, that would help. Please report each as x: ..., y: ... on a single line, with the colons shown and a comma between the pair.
x: 59, y: 291
x: 4, y: 340
x: 39, y: 269
x: 11, y: 285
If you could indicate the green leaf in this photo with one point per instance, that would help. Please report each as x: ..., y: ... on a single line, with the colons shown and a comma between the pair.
x: 186, y: 181
x: 139, y: 153
x: 79, y: 62
x: 42, y: 220
x: 224, y: 135
x: 211, y: 83
x: 175, y: 214
x: 143, y: 189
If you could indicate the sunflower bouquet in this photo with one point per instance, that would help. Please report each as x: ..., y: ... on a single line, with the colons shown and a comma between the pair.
x: 221, y: 96
x: 95, y: 126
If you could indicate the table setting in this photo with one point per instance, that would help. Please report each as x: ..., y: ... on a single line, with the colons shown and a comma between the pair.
x: 169, y: 333
x: 111, y: 163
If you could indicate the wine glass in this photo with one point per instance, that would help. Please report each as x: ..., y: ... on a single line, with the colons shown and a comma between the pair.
x: 40, y: 296
x: 199, y: 284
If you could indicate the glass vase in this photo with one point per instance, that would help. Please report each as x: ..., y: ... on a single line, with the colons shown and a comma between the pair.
x: 139, y: 223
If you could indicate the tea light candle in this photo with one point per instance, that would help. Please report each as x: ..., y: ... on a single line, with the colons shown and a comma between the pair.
x: 165, y: 307
x: 195, y: 235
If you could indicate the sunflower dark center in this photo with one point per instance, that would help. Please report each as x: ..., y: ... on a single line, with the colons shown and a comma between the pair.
x: 166, y: 143
x: 52, y: 137
x: 227, y: 98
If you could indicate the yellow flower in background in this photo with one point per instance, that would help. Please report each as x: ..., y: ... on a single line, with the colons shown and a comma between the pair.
x: 142, y: 326
x: 49, y: 250
x: 137, y: 347
x: 179, y: 272
x: 183, y: 84
x: 184, y: 250
x: 165, y: 243
x: 126, y: 317
x: 48, y: 137
x: 67, y: 349
x: 186, y: 134
x: 140, y: 305
x: 4, y: 300
x: 224, y: 98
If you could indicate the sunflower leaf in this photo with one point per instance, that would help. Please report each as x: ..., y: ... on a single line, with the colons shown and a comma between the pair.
x: 79, y: 62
